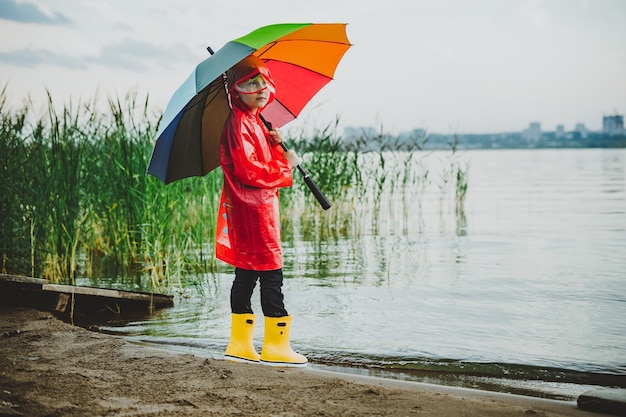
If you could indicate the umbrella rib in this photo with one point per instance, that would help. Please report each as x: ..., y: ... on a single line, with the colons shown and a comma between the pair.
x: 270, y: 45
x: 300, y: 66
x: 273, y: 44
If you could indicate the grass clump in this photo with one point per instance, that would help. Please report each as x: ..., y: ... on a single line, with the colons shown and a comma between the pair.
x: 75, y: 199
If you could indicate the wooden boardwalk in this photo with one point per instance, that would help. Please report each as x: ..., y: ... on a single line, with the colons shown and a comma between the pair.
x: 73, y: 301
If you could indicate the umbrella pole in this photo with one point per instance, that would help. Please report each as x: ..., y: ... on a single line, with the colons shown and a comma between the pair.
x: 319, y: 195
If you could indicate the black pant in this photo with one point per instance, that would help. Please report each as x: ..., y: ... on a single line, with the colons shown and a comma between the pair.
x: 271, y: 292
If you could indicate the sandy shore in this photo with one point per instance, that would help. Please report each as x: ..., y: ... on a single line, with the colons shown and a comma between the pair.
x: 50, y: 368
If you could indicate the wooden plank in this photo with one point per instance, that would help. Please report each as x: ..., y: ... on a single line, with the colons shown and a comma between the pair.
x: 18, y: 279
x: 21, y: 291
x: 154, y: 299
x: 77, y: 302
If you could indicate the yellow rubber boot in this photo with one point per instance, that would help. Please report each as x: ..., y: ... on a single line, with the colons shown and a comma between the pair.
x: 276, y: 349
x: 240, y: 347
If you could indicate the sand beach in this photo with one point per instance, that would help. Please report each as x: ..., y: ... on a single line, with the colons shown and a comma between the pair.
x: 51, y: 368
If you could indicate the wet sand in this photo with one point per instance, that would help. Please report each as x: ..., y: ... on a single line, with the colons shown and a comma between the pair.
x: 51, y: 368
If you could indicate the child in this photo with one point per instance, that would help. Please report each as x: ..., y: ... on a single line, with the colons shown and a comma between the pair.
x: 254, y: 166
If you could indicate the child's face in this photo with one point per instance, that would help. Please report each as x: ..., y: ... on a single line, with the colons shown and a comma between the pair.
x: 256, y: 101
x: 254, y: 92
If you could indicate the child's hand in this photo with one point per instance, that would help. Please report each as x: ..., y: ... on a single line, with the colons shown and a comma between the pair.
x: 276, y: 136
x: 292, y: 158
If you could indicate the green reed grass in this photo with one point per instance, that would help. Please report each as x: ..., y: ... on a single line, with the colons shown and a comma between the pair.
x: 16, y: 227
x: 455, y: 177
x: 75, y: 199
x: 367, y: 178
x: 75, y: 195
x: 335, y: 171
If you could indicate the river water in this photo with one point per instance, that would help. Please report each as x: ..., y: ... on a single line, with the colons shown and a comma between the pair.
x: 524, y: 292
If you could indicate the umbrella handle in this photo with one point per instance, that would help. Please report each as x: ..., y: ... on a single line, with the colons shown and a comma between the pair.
x: 319, y: 195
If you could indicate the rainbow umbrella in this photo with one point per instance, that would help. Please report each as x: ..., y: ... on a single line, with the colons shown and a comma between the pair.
x: 302, y: 58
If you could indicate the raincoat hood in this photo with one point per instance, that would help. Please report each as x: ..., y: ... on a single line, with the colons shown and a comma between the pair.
x: 244, y: 70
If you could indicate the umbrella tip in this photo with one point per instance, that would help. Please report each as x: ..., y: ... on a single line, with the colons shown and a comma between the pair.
x: 208, y: 48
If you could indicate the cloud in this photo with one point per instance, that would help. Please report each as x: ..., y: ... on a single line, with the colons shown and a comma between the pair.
x: 127, y: 54
x: 31, y: 58
x: 140, y: 56
x: 29, y: 13
x: 124, y: 27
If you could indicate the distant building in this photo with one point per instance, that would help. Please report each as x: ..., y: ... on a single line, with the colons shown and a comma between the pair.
x: 533, y: 133
x: 366, y: 138
x: 613, y: 125
x: 419, y: 133
x: 359, y: 132
x: 582, y: 130
x: 560, y: 132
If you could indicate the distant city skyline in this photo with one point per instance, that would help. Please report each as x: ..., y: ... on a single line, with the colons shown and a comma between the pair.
x: 612, y: 125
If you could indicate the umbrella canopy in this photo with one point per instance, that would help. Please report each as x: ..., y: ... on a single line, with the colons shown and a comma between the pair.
x: 302, y: 58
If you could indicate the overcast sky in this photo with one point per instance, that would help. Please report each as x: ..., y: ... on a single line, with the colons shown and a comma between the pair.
x: 464, y: 66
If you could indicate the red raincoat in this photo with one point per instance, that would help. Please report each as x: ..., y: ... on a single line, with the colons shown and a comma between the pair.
x: 248, y: 224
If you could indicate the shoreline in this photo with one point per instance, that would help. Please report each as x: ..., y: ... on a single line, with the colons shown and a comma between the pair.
x: 565, y: 392
x: 49, y: 367
x: 458, y: 391
x: 363, y: 376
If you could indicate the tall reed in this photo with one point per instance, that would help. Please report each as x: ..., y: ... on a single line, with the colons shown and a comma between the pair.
x: 454, y: 176
x: 75, y: 199
x: 336, y: 173
x: 16, y: 226
x: 75, y: 195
